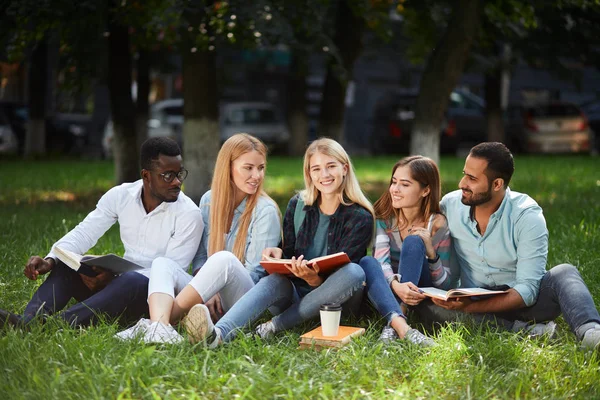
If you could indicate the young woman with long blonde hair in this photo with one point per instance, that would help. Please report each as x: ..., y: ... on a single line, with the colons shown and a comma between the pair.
x: 333, y: 216
x: 240, y: 220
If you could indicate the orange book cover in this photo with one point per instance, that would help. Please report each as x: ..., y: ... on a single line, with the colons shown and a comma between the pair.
x: 325, y: 263
x: 316, y: 338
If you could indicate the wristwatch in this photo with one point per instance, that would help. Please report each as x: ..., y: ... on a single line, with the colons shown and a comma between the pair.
x: 434, y: 260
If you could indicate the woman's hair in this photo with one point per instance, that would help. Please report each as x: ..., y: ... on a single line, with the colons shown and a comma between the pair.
x: 426, y: 173
x: 350, y: 189
x: 223, y: 190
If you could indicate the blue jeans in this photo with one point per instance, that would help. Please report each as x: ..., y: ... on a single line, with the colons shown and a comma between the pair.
x: 278, y: 294
x: 378, y: 290
x: 125, y: 296
x: 562, y: 290
x: 413, y: 262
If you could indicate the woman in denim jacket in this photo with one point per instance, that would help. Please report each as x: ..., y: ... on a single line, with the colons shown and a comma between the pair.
x: 336, y: 217
x: 227, y: 263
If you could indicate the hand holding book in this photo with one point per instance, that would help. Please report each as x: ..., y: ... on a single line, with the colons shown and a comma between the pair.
x: 309, y: 273
x: 325, y: 264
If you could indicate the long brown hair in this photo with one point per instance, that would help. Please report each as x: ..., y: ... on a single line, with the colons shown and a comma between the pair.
x: 223, y: 189
x: 349, y: 190
x: 426, y: 173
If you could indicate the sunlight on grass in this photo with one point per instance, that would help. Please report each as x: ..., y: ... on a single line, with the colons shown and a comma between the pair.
x: 56, y: 361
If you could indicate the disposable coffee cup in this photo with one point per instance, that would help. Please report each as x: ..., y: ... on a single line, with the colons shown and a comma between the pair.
x: 330, y: 318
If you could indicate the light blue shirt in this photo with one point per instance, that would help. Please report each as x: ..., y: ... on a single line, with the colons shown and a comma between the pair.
x: 513, y: 250
x: 264, y: 231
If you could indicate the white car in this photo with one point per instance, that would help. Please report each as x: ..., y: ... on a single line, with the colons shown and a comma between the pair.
x: 166, y: 119
x: 256, y: 118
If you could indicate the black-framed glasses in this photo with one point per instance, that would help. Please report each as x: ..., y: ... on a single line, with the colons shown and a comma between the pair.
x: 170, y: 175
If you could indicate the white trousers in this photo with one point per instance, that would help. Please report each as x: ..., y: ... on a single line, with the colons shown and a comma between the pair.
x: 222, y: 273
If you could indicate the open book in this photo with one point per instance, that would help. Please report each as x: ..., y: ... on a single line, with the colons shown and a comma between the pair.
x: 316, y: 339
x: 83, y: 264
x: 326, y: 263
x: 460, y: 292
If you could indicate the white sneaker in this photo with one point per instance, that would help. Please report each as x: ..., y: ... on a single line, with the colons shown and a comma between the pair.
x: 135, y: 332
x: 591, y: 338
x: 388, y: 335
x: 265, y: 330
x: 199, y: 326
x: 538, y: 330
x: 415, y: 337
x: 158, y: 332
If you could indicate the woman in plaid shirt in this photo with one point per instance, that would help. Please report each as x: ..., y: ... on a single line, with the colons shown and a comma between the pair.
x: 412, y: 245
x: 335, y: 216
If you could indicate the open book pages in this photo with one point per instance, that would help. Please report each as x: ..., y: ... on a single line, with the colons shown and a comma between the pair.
x: 83, y: 264
x: 72, y: 260
x: 460, y: 292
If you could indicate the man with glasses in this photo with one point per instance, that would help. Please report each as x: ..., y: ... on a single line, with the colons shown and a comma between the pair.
x: 156, y: 221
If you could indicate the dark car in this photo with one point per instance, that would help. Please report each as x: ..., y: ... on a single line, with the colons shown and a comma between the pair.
x: 556, y: 127
x: 463, y: 125
x: 65, y: 133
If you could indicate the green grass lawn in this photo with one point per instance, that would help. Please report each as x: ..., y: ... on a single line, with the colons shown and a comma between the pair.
x: 40, y: 201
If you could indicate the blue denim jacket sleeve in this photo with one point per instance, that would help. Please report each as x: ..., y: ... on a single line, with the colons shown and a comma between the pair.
x: 264, y: 231
x: 532, y: 253
x: 202, y: 252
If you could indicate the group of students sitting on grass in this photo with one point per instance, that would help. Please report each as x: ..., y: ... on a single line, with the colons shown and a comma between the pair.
x: 482, y: 235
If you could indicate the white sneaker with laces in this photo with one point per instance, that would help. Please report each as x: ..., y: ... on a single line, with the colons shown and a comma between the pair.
x: 199, y: 326
x: 415, y: 337
x: 136, y: 331
x: 388, y: 335
x: 591, y: 338
x: 265, y: 330
x: 158, y: 332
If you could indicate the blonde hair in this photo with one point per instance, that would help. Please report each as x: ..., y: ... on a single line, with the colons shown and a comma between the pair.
x: 426, y: 173
x: 223, y: 189
x: 349, y: 189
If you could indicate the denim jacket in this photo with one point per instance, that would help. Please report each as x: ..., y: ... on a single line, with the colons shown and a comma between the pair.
x: 264, y: 231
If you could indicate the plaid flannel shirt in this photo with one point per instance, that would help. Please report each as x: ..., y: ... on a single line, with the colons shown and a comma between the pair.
x: 350, y: 230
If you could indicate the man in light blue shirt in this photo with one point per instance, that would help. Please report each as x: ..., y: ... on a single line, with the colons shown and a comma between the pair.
x: 500, y: 240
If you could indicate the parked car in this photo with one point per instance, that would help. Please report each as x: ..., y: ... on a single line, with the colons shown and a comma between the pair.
x: 592, y: 112
x: 256, y: 118
x: 259, y: 119
x: 557, y: 127
x: 165, y: 119
x: 463, y: 125
x: 65, y: 133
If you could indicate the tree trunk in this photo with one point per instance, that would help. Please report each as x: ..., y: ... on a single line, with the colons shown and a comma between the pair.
x: 493, y: 105
x: 441, y: 74
x: 125, y: 150
x: 35, y: 136
x: 142, y: 108
x: 347, y: 40
x: 297, y: 116
x: 201, y: 115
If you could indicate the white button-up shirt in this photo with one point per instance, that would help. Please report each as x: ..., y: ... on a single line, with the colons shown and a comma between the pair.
x: 171, y: 230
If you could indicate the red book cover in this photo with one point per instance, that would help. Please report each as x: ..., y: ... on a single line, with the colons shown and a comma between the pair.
x: 325, y: 263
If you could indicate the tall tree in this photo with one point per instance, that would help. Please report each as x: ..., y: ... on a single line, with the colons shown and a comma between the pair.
x: 35, y: 139
x: 347, y: 36
x: 442, y: 72
x: 121, y: 102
